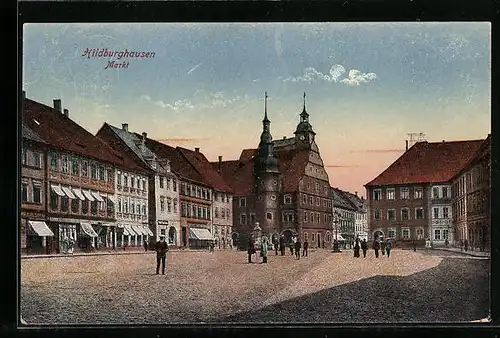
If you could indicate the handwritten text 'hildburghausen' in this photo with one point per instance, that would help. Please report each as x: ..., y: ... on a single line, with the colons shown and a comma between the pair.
x: 115, y: 56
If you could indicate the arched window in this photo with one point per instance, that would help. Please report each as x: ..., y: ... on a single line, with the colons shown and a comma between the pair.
x: 172, y: 235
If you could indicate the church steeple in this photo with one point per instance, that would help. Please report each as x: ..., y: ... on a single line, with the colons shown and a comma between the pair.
x: 267, y: 161
x: 266, y: 136
x: 304, y: 129
x: 304, y: 116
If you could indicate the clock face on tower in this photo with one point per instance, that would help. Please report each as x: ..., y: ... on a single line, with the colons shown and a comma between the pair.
x: 302, y: 137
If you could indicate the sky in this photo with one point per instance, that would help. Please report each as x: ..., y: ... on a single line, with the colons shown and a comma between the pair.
x: 367, y: 84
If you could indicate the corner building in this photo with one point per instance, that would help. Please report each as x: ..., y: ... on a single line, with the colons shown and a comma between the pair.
x: 282, y: 185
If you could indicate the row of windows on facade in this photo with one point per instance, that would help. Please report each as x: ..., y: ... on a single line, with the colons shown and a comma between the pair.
x: 343, y: 214
x: 224, y: 213
x: 127, y: 205
x: 419, y: 233
x: 195, y: 211
x: 223, y: 230
x: 471, y: 180
x: 327, y: 203
x: 171, y: 183
x: 289, y: 217
x: 438, y: 213
x: 404, y: 193
x: 31, y: 191
x: 31, y: 158
x: 317, y: 187
x: 77, y: 206
x: 221, y: 197
x: 79, y: 167
x: 132, y: 181
x: 476, y: 203
x: 192, y: 190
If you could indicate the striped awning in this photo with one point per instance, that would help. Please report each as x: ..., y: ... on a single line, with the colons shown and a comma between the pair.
x: 88, y: 195
x: 200, y: 234
x: 97, y: 196
x: 68, y: 192
x: 138, y: 229
x: 41, y: 228
x: 148, y: 231
x: 87, y: 229
x: 78, y: 193
x: 57, y: 190
x: 130, y: 230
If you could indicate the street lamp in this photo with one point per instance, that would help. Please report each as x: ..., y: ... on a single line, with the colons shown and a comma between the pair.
x: 336, y: 216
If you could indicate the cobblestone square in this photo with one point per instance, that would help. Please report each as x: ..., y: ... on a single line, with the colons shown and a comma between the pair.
x: 222, y: 287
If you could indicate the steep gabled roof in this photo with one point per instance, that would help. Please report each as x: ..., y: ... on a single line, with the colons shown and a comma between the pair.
x: 356, y: 201
x: 29, y: 134
x: 292, y: 166
x: 239, y: 175
x: 61, y: 132
x: 200, y: 163
x: 341, y: 200
x: 483, y: 149
x: 428, y: 162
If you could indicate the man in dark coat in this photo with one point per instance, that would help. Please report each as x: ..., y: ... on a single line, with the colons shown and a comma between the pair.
x: 145, y: 245
x: 364, y: 247
x: 251, y: 249
x: 382, y: 247
x: 356, y: 248
x: 297, y: 248
x: 376, y: 247
x: 282, y: 245
x: 306, y: 245
x: 161, y: 248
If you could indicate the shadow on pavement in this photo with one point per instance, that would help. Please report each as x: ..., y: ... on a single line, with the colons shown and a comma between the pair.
x: 441, y: 294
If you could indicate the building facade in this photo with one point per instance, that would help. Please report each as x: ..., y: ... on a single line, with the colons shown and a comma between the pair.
x: 471, y: 200
x: 410, y: 201
x: 360, y: 215
x: 282, y: 186
x: 33, y: 228
x: 344, y: 217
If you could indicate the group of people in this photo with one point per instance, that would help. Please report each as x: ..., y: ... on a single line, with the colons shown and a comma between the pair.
x: 384, y: 247
x: 279, y: 245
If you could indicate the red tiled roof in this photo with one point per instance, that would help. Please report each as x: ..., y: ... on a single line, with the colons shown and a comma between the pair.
x: 63, y: 133
x: 483, y: 149
x: 292, y: 166
x: 205, y: 169
x: 428, y: 162
x: 248, y: 154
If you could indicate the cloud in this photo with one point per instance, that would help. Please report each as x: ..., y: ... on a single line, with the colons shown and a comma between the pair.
x: 378, y: 151
x: 311, y: 75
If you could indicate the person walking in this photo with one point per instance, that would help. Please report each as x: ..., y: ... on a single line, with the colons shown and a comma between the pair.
x: 376, y: 247
x: 251, y: 249
x: 282, y: 245
x: 291, y: 247
x: 382, y: 247
x: 145, y: 245
x: 461, y: 245
x: 276, y: 246
x: 388, y: 247
x: 466, y: 245
x: 161, y: 248
x: 304, y: 251
x: 297, y: 249
x: 263, y: 250
x: 414, y: 246
x: 364, y: 247
x: 356, y: 248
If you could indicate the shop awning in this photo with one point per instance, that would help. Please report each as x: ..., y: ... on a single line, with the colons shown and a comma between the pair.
x: 130, y: 230
x: 78, y: 193
x: 200, y: 234
x: 97, y: 196
x: 88, y: 195
x: 138, y: 229
x: 41, y: 228
x: 148, y: 231
x: 87, y: 228
x: 57, y: 190
x: 339, y: 237
x: 68, y: 192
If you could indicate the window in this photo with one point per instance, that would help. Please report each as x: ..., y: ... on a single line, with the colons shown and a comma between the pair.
x: 174, y: 184
x: 405, y: 233
x: 418, y: 193
x: 125, y: 206
x: 243, y: 219
x: 53, y: 161
x: 311, y: 200
x: 420, y: 233
x: 243, y: 202
x: 376, y: 214
x: 377, y: 195
x: 75, y: 206
x: 161, y: 182
x: 317, y: 186
x: 435, y: 192
x: 445, y: 234
x: 125, y: 180
x: 65, y: 164
x: 318, y: 216
x: 64, y: 203
x: 216, y: 212
x: 318, y: 201
x: 445, y: 212
x: 74, y: 166
x: 37, y: 158
x: 405, y: 193
x: 169, y: 205
x: 132, y: 207
x: 54, y: 200
x: 273, y: 197
x: 24, y: 191
x: 119, y: 179
x: 436, y: 212
x: 288, y: 217
x: 391, y: 194
x: 419, y: 213
x: 252, y: 219
x: 119, y: 205
x: 444, y: 191
x: 305, y: 236
x: 325, y: 218
x: 110, y: 175
x: 168, y: 183
x: 304, y: 198
x: 288, y: 199
x: 391, y: 215
x: 24, y: 157
x: 183, y: 188
x: 269, y: 215
x: 223, y: 211
x: 162, y: 204
x: 93, y: 170
x: 391, y: 233
x: 305, y: 216
x: 313, y: 237
x: 101, y: 173
x: 144, y: 209
x: 93, y: 207
x: 324, y: 203
x: 37, y: 192
x: 175, y: 205
x: 437, y: 234
x: 405, y: 214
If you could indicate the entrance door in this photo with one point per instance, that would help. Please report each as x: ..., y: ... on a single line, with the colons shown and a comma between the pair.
x: 319, y: 240
x: 184, y: 236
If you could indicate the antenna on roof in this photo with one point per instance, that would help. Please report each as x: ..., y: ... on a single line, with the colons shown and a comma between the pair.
x: 414, y: 138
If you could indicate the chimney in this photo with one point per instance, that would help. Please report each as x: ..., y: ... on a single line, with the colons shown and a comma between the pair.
x: 197, y: 149
x: 284, y: 137
x: 144, y: 137
x: 125, y: 126
x: 444, y: 141
x: 24, y: 95
x: 356, y: 193
x: 66, y: 112
x: 57, y: 105
x: 220, y: 163
x: 406, y: 145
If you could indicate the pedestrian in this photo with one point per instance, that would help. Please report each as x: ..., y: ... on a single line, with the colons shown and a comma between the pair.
x: 364, y: 247
x: 466, y: 245
x: 282, y: 245
x: 356, y: 248
x: 297, y: 249
x: 211, y: 246
x: 251, y: 249
x: 161, y: 248
x: 145, y: 245
x: 304, y: 251
x: 263, y: 250
x: 376, y: 247
x: 276, y: 246
x: 291, y: 248
x: 461, y: 245
x: 382, y: 247
x: 446, y: 242
x: 388, y: 248
x: 414, y: 246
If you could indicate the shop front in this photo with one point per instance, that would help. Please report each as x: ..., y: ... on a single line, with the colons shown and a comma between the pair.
x: 87, y: 237
x: 105, y: 236
x: 38, y: 237
x: 200, y: 238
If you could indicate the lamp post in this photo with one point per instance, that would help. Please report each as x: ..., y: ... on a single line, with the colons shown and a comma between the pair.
x: 336, y: 216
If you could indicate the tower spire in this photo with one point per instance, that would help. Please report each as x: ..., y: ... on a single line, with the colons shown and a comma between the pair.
x: 304, y: 101
x: 265, y: 108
